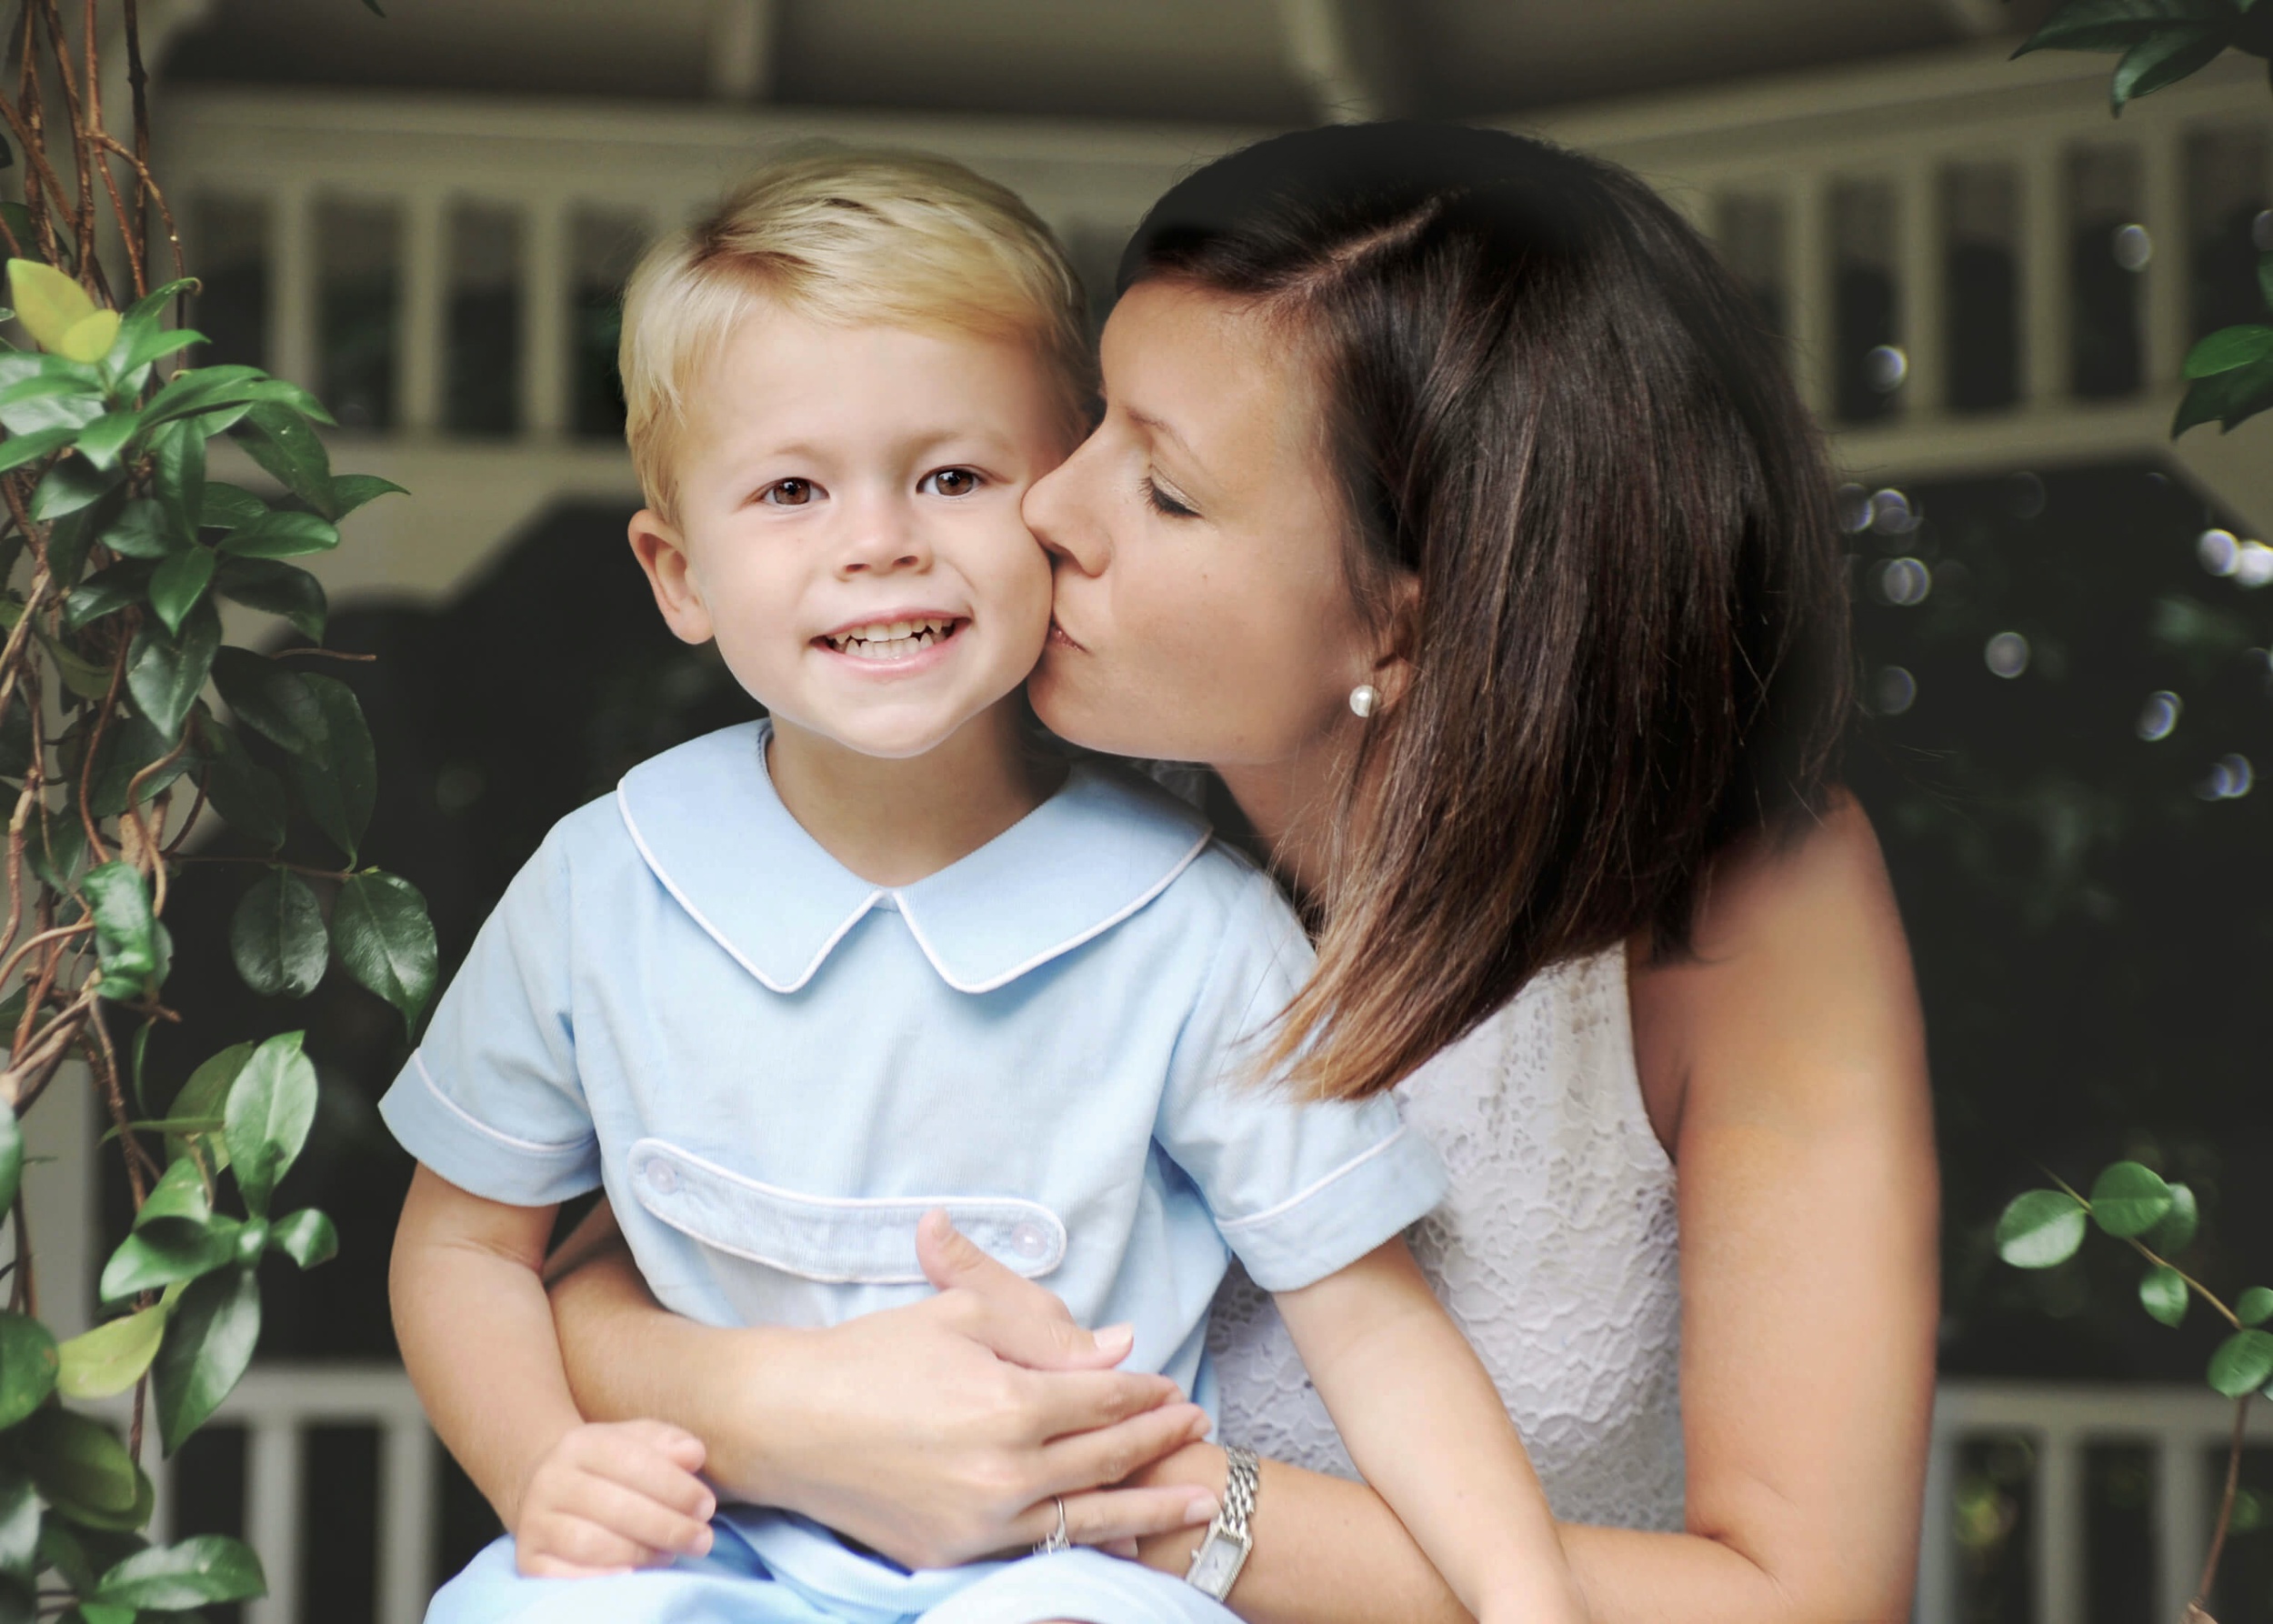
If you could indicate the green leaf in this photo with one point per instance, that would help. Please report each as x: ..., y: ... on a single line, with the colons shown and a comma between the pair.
x: 119, y: 899
x: 142, y: 530
x: 268, y: 1118
x: 203, y: 1567
x: 78, y: 1462
x: 2118, y: 24
x: 2175, y: 1232
x: 338, y: 780
x: 2224, y: 350
x: 2242, y: 1363
x: 385, y: 941
x: 351, y: 491
x: 120, y: 586
x: 2039, y: 1228
x: 19, y: 1522
x: 101, y: 441
x: 277, y: 589
x: 68, y: 486
x: 2162, y: 1294
x: 68, y: 397
x: 179, y: 1196
x: 19, y: 449
x: 166, y: 673
x: 281, y: 535
x: 2255, y: 1306
x: 60, y: 1550
x: 152, y: 346
x: 27, y: 1366
x: 248, y: 796
x: 74, y: 535
x: 178, y: 585
x: 2228, y: 398
x: 230, y: 507
x: 177, y: 476
x: 284, y: 442
x: 306, y: 1237
x: 11, y: 1154
x: 215, y: 1326
x: 2163, y: 59
x: 2129, y: 1199
x: 107, y: 1361
x: 129, y: 745
x: 272, y: 701
x: 195, y: 391
x: 276, y: 937
x: 166, y: 1255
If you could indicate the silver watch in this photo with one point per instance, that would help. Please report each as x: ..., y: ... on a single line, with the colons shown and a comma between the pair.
x: 1224, y: 1551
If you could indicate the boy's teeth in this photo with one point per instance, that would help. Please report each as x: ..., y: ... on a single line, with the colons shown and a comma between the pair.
x: 891, y: 640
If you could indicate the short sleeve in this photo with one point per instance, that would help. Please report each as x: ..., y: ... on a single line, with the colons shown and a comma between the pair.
x: 490, y: 1098
x: 1299, y: 1190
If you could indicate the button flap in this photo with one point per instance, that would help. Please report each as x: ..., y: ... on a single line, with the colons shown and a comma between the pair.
x: 832, y: 1239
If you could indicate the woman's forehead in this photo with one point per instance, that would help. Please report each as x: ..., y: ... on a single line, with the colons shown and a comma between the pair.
x: 1215, y: 379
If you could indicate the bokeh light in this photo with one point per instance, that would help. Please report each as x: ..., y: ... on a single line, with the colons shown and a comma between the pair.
x: 2134, y: 248
x: 2159, y: 716
x: 1885, y: 368
x: 1903, y: 582
x: 2006, y: 655
x: 2229, y: 780
x: 1893, y: 691
x: 2219, y: 551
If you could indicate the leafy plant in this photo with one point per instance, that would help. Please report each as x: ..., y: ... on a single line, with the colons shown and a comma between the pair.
x: 116, y: 551
x: 2042, y: 1229
x: 2229, y: 374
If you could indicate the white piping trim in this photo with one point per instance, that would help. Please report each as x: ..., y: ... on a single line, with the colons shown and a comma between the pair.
x: 663, y: 1151
x: 623, y: 806
x: 1299, y: 1196
x: 1068, y: 946
x: 419, y: 1058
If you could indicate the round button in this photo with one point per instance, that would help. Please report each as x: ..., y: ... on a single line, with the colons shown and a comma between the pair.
x: 662, y: 1176
x: 1028, y: 1242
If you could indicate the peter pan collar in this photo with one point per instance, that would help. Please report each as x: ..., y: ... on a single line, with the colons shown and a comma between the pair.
x: 706, y: 819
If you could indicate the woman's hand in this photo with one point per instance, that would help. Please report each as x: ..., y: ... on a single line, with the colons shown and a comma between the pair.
x: 935, y: 1434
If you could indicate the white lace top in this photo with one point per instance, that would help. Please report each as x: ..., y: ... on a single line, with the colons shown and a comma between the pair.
x: 1555, y: 1252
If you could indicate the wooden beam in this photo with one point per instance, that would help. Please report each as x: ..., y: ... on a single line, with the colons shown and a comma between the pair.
x: 1979, y: 19
x: 1344, y: 55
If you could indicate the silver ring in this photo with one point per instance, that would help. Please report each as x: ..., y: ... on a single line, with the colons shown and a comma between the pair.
x: 1058, y: 1541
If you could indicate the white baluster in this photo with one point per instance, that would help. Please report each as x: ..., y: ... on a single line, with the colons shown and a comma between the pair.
x: 2044, y: 276
x: 545, y: 336
x: 2182, y: 1522
x: 1808, y: 278
x: 1936, y: 1600
x: 2059, y: 1529
x: 409, y: 1496
x: 1921, y: 262
x: 271, y: 1514
x: 292, y: 287
x: 425, y: 261
x: 2163, y: 211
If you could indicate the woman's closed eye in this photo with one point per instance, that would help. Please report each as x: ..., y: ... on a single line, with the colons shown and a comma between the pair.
x: 1162, y: 502
x: 791, y: 493
x: 951, y: 482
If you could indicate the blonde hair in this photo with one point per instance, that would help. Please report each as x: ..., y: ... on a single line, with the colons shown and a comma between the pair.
x: 901, y: 239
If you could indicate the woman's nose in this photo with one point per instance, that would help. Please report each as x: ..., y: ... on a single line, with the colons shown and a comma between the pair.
x: 1059, y: 508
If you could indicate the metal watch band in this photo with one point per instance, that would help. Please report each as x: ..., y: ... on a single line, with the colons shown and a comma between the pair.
x: 1223, y: 1550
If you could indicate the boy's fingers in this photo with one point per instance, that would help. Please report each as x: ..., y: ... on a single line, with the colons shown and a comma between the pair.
x: 565, y: 1545
x: 677, y: 1445
x: 663, y: 1482
x: 640, y: 1518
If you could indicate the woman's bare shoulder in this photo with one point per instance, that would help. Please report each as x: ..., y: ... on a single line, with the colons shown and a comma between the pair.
x: 1797, y: 988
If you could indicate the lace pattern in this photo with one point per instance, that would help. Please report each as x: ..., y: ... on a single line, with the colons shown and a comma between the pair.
x: 1555, y: 1252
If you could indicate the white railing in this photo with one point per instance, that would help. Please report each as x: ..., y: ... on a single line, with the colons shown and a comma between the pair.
x: 2183, y: 1427
x: 1780, y: 151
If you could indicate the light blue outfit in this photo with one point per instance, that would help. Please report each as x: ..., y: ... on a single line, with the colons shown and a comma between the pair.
x: 776, y: 1068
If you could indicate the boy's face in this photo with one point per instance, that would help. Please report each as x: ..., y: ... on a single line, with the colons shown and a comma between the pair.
x: 848, y: 526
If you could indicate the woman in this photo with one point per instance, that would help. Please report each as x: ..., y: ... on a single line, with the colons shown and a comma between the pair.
x: 1451, y: 504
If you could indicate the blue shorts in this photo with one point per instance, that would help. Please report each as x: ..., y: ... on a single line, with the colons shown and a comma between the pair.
x: 770, y: 1568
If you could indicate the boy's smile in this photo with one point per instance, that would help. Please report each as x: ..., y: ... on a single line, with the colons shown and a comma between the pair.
x: 848, y: 526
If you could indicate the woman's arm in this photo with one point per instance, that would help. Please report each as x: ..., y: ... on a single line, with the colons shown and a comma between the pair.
x: 1785, y: 1061
x: 935, y: 1434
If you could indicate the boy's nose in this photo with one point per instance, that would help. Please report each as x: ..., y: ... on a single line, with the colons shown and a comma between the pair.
x: 883, y: 543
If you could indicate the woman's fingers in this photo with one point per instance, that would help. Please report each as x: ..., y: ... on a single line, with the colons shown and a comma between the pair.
x: 1095, y: 1416
x: 1046, y: 1337
x: 1106, y: 1517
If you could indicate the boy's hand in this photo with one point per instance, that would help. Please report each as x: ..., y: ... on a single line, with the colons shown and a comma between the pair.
x: 610, y: 1497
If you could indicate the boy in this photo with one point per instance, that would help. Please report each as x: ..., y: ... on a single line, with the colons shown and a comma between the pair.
x: 805, y: 981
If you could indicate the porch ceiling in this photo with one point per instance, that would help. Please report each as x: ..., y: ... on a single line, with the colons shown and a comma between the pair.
x: 1243, y: 62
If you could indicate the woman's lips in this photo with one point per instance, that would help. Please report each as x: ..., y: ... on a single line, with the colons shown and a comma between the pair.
x: 1060, y: 638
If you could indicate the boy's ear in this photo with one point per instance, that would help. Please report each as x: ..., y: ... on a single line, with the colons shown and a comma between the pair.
x: 661, y: 550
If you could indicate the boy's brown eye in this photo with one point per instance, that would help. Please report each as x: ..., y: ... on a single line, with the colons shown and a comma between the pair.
x: 788, y: 493
x: 952, y: 482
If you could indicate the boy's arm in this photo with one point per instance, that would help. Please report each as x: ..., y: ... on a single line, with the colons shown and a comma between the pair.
x: 475, y: 1329
x: 1428, y: 1429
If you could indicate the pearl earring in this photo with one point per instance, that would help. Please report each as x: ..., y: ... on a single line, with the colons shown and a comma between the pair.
x: 1364, y: 698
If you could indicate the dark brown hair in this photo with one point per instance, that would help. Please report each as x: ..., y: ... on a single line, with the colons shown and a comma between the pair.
x: 1553, y: 408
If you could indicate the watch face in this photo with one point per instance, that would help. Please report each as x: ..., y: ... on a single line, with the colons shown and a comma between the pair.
x: 1216, y: 1563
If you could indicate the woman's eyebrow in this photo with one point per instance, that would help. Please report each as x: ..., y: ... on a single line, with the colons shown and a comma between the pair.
x: 1164, y: 429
